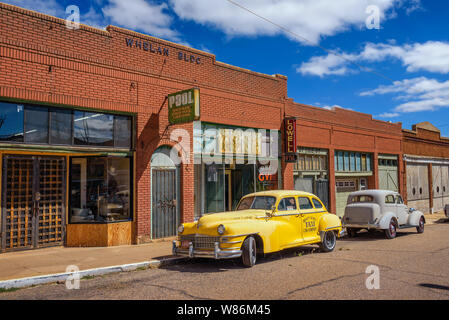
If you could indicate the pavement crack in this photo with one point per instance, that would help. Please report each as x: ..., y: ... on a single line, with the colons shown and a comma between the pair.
x: 323, y: 282
x: 184, y: 292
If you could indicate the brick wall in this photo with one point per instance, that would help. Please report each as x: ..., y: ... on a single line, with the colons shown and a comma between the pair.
x: 42, y: 61
x: 341, y: 129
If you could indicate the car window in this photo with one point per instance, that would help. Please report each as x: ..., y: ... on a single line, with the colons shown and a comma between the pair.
x: 317, y: 204
x: 389, y: 199
x: 304, y: 203
x: 400, y: 201
x: 245, y: 203
x: 287, y: 204
x: 363, y: 198
x: 263, y: 203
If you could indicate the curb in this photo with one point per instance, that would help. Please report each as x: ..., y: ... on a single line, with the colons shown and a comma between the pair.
x: 62, y: 277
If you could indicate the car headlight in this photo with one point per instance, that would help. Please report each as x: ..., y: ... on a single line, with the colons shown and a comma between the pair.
x: 221, y: 229
x: 181, y: 228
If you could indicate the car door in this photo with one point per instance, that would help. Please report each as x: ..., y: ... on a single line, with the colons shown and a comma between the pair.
x: 402, y: 211
x: 390, y: 204
x: 287, y: 214
x: 309, y: 219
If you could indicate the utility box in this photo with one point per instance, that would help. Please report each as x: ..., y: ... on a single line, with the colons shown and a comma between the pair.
x: 446, y: 210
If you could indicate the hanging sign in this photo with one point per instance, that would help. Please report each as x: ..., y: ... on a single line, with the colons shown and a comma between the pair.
x: 184, y: 106
x: 290, y: 140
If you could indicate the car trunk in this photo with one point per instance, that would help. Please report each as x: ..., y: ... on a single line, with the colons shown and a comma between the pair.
x: 361, y: 213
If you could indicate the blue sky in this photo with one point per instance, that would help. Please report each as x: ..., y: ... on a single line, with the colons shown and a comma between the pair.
x: 405, y: 61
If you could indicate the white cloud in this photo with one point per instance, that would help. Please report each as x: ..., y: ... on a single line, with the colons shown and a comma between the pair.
x: 50, y: 7
x: 388, y: 115
x: 333, y: 107
x: 418, y: 94
x: 312, y: 19
x: 142, y: 15
x: 325, y: 65
x: 431, y: 56
x: 93, y: 18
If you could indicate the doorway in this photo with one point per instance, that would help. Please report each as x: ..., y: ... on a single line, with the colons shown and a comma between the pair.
x: 33, y: 202
x: 165, y: 195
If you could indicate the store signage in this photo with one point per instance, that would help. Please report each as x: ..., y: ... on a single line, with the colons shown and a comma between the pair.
x: 290, y: 158
x: 290, y: 140
x: 160, y: 50
x: 184, y: 106
x: 290, y: 135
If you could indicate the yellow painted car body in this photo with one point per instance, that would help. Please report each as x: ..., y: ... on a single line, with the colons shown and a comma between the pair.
x: 285, y: 225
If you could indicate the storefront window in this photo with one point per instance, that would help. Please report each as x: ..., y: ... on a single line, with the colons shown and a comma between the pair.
x: 57, y: 126
x: 36, y: 125
x: 122, y: 132
x: 61, y: 127
x: 11, y: 122
x: 93, y: 129
x: 100, y: 189
x: 215, y: 186
x: 352, y: 161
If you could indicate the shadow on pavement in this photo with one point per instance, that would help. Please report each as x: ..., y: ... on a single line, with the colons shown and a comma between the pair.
x: 375, y: 235
x: 442, y: 220
x: 203, y: 265
x: 434, y: 286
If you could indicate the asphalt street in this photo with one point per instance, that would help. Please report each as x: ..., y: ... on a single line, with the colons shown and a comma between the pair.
x: 412, y: 266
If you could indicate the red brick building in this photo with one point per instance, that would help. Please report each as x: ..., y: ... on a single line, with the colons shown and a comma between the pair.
x: 88, y: 152
x: 426, y: 162
x: 345, y: 150
x: 112, y: 75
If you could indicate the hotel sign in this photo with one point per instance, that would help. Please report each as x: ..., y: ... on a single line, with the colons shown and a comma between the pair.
x: 184, y: 106
x: 290, y: 139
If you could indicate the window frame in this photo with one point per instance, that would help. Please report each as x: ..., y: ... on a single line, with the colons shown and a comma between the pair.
x: 284, y: 198
x: 131, y: 191
x: 48, y: 142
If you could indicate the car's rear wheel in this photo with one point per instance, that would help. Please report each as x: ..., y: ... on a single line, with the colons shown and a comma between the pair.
x: 329, y: 241
x: 420, y: 227
x: 390, y: 233
x: 249, y: 252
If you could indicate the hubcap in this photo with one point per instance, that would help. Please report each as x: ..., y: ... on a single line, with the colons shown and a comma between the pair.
x: 330, y: 240
x: 392, y: 229
x: 252, y: 251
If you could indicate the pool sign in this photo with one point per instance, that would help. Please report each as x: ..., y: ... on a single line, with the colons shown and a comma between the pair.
x: 184, y: 106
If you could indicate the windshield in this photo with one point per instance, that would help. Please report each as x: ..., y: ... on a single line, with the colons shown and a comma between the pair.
x: 258, y: 202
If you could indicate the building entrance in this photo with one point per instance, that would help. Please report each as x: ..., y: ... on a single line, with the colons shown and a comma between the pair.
x: 33, y: 202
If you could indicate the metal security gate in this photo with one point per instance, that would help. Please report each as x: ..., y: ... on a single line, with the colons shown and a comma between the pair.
x: 165, y: 204
x: 33, y: 202
x: 322, y: 191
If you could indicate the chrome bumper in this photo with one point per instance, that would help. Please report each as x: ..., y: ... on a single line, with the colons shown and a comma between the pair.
x: 362, y: 226
x: 217, y: 253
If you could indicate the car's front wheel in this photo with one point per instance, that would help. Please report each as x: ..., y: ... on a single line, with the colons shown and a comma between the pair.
x: 390, y: 233
x: 329, y: 241
x: 420, y: 227
x: 249, y: 252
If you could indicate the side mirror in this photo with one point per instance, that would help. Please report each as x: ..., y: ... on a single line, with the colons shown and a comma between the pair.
x: 273, y: 210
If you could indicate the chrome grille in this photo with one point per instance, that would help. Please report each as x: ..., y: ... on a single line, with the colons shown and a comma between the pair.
x: 201, y: 242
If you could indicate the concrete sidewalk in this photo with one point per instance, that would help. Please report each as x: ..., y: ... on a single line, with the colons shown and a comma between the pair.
x: 47, y: 261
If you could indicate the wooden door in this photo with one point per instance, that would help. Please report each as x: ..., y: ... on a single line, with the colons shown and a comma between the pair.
x: 33, y: 202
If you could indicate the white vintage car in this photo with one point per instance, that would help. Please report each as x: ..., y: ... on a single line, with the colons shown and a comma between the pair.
x: 381, y: 210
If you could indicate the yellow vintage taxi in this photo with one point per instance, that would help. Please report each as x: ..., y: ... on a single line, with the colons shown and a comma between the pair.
x: 263, y: 222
